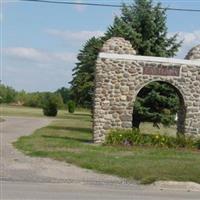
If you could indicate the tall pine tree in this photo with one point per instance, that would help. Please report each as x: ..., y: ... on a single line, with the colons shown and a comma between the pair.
x: 82, y: 85
x: 144, y: 25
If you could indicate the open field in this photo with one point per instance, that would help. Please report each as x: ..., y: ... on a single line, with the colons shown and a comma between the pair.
x: 8, y: 110
x: 70, y: 140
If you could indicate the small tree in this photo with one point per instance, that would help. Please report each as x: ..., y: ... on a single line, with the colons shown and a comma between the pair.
x: 65, y: 94
x: 50, y: 105
x: 7, y: 94
x: 157, y: 102
x: 71, y: 106
x: 21, y: 97
x: 59, y: 101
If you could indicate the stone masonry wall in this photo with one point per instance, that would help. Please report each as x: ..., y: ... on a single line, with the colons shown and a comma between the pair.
x: 194, y: 53
x: 120, y: 76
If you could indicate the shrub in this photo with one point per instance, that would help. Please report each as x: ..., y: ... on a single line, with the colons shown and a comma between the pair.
x: 123, y: 137
x: 1, y: 100
x: 7, y: 94
x: 50, y: 105
x: 71, y: 106
x: 197, y: 143
x: 182, y: 141
x: 133, y: 137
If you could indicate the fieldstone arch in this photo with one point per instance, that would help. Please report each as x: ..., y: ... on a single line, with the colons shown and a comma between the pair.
x: 182, y: 109
x: 120, y: 74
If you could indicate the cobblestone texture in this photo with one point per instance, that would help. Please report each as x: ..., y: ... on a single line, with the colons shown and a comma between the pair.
x: 119, y: 81
x: 194, y: 53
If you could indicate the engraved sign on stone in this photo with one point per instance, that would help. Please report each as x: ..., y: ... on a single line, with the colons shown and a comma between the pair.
x: 162, y: 70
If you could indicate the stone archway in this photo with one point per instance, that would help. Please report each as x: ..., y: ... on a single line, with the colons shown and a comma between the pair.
x: 181, y: 114
x: 120, y: 74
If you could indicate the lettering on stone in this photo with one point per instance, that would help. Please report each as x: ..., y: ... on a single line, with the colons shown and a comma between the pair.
x: 161, y: 70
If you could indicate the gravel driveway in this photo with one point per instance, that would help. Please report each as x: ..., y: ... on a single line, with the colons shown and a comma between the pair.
x: 15, y: 166
x: 23, y: 177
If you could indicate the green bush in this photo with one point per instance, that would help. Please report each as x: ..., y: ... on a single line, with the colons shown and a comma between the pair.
x: 50, y: 105
x: 197, y: 143
x: 133, y: 137
x: 7, y: 94
x: 71, y: 106
x: 1, y: 100
x: 182, y: 141
x: 122, y: 137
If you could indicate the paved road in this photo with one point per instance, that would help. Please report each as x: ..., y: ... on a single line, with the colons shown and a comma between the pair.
x: 77, y: 191
x: 23, y: 177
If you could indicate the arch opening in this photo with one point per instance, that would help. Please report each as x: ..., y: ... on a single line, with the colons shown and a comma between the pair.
x: 159, y: 104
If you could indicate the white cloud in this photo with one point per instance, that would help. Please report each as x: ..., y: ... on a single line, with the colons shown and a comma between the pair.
x: 41, y: 70
x: 190, y: 39
x: 36, y: 77
x: 74, y: 36
x: 40, y: 56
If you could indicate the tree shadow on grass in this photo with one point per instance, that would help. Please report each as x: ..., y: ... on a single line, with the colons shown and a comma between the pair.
x: 81, y: 114
x: 88, y: 141
x: 72, y: 129
x: 84, y: 117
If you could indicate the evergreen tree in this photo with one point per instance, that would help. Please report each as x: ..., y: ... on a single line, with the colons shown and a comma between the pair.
x: 144, y: 25
x: 50, y: 104
x: 82, y: 85
x: 157, y: 102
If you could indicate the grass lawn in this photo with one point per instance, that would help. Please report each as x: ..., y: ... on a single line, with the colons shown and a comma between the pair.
x: 9, y: 110
x: 70, y: 140
x: 149, y: 129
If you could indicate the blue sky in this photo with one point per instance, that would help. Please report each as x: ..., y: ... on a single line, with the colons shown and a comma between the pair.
x: 41, y: 41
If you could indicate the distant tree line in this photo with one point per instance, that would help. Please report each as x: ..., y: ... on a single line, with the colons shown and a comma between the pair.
x: 9, y: 95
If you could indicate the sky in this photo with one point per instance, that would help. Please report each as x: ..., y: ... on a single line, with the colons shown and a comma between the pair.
x: 40, y: 41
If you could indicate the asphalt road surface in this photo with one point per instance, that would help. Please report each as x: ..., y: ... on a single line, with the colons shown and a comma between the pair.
x: 77, y: 191
x: 23, y: 177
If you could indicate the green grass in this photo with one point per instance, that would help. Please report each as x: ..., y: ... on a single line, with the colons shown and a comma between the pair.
x: 9, y: 110
x: 70, y: 140
x: 148, y: 128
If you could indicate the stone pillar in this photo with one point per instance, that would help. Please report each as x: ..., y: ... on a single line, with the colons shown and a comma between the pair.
x: 110, y: 94
x: 193, y: 110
